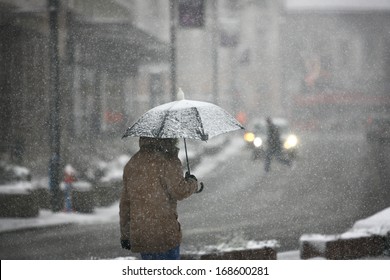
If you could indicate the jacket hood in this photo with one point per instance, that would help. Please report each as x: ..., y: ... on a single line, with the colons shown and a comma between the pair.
x: 149, y: 142
x: 165, y: 145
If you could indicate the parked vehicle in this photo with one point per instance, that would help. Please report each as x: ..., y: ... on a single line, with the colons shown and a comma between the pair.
x: 13, y: 173
x: 256, y: 138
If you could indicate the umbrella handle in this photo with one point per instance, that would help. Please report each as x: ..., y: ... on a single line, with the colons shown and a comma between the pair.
x: 201, y: 187
x: 188, y: 164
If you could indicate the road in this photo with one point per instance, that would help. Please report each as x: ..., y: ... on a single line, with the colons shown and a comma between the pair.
x: 335, y: 182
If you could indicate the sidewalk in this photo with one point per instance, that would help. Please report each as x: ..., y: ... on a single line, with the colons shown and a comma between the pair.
x: 225, y: 145
x: 378, y: 223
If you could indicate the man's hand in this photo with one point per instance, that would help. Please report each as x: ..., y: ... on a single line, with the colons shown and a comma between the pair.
x: 190, y: 176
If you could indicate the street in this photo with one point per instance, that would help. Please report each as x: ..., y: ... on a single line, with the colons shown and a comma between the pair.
x: 334, y: 182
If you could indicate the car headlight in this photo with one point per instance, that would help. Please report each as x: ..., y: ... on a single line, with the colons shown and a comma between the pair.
x: 290, y: 142
x: 249, y: 137
x: 257, y: 142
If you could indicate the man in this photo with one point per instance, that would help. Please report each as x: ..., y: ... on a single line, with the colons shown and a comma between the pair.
x: 274, y: 148
x: 153, y: 182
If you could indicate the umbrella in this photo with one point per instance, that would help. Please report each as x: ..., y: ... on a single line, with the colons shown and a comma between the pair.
x: 184, y: 119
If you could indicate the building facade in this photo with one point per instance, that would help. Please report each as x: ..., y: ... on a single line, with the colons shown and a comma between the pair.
x: 336, y: 62
x: 107, y: 66
x: 260, y: 57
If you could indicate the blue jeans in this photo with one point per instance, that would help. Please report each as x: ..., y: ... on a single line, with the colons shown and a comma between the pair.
x: 173, y: 254
x: 68, y: 198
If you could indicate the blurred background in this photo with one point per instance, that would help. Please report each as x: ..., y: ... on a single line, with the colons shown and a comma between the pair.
x: 76, y: 73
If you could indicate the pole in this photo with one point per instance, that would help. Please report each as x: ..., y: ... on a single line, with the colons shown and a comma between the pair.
x: 188, y: 167
x: 54, y: 163
x: 172, y: 9
x: 215, y: 44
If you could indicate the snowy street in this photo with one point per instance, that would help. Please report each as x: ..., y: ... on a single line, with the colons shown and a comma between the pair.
x: 333, y: 184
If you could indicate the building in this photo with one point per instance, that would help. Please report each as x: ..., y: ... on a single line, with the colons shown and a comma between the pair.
x: 309, y: 61
x: 336, y: 61
x: 107, y: 64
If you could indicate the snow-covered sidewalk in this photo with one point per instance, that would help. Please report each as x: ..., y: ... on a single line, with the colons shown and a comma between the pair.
x: 48, y: 218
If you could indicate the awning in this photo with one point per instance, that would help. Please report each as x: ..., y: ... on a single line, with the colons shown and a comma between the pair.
x: 115, y: 46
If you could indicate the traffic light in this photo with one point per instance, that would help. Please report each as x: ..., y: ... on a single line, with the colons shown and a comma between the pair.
x: 191, y: 13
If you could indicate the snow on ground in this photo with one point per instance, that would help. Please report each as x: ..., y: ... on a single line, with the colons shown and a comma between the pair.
x: 210, y: 163
x: 48, y: 218
x: 16, y: 188
x: 378, y: 223
x: 111, y: 213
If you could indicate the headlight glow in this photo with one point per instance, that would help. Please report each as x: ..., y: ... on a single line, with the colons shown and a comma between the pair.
x: 290, y: 142
x: 249, y: 137
x: 257, y: 142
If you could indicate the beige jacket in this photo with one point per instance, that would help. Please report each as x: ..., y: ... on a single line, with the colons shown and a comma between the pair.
x: 153, y: 182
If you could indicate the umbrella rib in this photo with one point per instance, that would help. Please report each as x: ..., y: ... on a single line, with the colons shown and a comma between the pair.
x: 163, y: 121
x: 203, y: 136
x: 162, y: 125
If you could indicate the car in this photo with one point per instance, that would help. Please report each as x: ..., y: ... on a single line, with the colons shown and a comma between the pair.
x: 256, y: 138
x: 13, y: 173
x: 378, y: 129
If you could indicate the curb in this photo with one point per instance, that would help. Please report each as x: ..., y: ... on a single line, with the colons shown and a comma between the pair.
x: 266, y: 253
x: 337, y: 247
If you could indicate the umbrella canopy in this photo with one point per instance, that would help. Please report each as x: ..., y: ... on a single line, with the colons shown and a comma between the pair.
x: 184, y: 119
